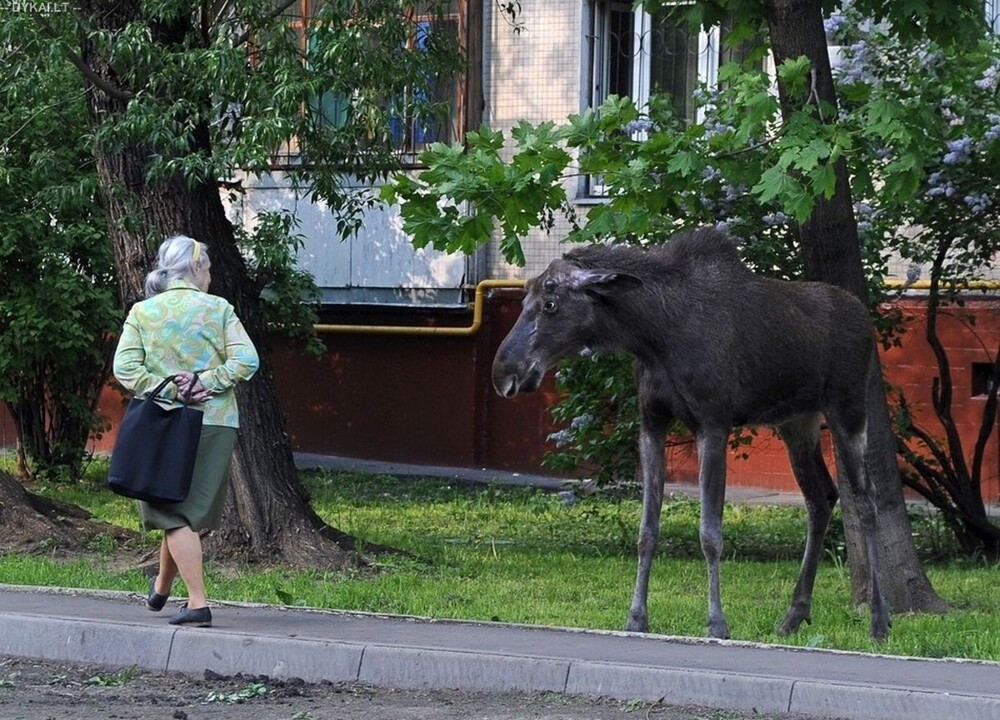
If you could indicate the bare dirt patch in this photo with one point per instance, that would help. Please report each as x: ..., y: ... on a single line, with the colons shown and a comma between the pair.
x: 34, y: 690
x: 32, y: 523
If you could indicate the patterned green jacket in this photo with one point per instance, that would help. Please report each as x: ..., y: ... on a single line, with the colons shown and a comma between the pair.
x: 183, y: 328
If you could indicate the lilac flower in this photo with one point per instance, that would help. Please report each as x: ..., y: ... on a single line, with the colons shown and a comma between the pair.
x: 990, y: 78
x: 581, y: 421
x: 776, y: 218
x: 637, y: 126
x: 865, y: 211
x: 713, y: 127
x: 883, y: 153
x: 562, y: 438
x: 993, y: 132
x: 866, y: 216
x: 959, y: 151
x: 710, y: 174
x: 977, y: 203
x: 938, y: 185
x: 834, y: 23
x: 926, y: 58
x: 854, y: 64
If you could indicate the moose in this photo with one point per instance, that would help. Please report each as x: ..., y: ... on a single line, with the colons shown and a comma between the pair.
x: 715, y: 347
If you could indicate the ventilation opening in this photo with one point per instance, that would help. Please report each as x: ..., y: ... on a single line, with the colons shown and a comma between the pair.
x: 982, y: 378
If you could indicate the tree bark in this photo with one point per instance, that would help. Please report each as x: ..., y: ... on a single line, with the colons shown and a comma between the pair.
x: 268, y: 517
x: 832, y: 253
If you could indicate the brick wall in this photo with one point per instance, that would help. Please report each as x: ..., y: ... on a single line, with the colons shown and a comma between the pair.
x: 429, y: 400
x: 970, y: 335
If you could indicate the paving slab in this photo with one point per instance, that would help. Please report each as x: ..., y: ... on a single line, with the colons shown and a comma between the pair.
x: 396, y: 651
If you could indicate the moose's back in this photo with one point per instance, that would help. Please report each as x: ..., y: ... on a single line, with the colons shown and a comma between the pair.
x: 712, y: 334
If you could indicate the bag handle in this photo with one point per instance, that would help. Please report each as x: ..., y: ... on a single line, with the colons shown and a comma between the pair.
x: 156, y: 391
x: 166, y: 381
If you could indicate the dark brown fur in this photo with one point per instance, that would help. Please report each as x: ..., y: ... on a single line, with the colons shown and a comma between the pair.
x: 715, y: 347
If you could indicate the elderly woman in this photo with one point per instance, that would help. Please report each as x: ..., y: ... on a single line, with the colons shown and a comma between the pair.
x: 181, y: 331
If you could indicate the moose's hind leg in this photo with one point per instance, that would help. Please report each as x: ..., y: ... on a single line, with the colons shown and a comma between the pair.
x: 801, y: 437
x: 712, y: 482
x: 851, y: 444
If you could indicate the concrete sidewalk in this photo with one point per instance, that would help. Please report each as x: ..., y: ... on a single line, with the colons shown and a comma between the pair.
x: 114, y: 628
x: 734, y: 493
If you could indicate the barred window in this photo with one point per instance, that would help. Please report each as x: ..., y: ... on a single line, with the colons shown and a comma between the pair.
x: 637, y: 54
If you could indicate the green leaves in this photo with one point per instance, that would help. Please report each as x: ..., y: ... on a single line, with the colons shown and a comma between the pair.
x: 918, y: 131
x: 58, y: 305
x: 514, y: 195
x: 777, y: 184
x: 794, y: 74
x: 659, y: 173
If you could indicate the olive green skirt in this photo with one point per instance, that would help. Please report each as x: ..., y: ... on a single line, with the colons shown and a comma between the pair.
x: 202, y: 510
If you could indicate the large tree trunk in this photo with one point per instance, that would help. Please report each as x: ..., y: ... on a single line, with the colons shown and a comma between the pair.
x: 833, y: 254
x: 268, y: 517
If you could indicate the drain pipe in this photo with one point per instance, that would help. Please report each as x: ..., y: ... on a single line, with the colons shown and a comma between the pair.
x: 477, y: 318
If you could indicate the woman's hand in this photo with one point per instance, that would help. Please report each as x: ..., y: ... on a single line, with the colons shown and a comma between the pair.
x: 190, y: 383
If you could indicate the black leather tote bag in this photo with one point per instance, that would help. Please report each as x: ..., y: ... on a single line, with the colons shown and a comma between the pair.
x: 154, y: 453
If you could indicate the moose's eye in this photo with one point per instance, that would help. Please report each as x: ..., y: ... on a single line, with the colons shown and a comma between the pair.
x: 549, y: 306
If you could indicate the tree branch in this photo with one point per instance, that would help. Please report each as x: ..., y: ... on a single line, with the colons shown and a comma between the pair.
x: 814, y: 95
x: 748, y: 148
x: 88, y: 72
x: 946, y: 474
x: 38, y: 112
x: 942, y: 386
x: 271, y: 16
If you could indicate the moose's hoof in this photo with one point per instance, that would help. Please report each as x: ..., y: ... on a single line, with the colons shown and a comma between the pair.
x: 880, y: 627
x: 791, y: 624
x: 637, y: 623
x: 718, y: 629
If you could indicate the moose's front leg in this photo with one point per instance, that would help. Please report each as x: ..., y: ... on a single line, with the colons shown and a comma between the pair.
x: 651, y: 458
x: 712, y: 482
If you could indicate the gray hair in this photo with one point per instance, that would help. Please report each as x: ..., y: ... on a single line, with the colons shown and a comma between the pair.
x: 175, y: 260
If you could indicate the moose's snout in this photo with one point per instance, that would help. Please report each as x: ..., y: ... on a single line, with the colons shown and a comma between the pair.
x: 506, y: 386
x: 509, y: 381
x: 515, y: 366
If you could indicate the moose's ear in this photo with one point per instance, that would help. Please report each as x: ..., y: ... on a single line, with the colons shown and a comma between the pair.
x: 604, y: 282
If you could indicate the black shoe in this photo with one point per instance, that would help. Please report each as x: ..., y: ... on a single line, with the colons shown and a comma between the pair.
x: 202, y: 617
x: 155, y: 601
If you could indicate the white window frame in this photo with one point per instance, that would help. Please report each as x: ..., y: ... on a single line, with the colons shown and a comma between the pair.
x: 991, y: 9
x: 598, y: 46
x: 708, y: 62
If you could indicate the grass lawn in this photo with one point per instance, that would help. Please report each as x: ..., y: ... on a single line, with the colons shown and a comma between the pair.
x: 524, y: 556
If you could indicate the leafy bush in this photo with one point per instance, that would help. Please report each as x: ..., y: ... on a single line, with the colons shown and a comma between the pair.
x: 58, y: 306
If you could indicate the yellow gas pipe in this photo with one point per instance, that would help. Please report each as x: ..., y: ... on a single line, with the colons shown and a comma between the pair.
x: 477, y: 318
x: 480, y: 297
